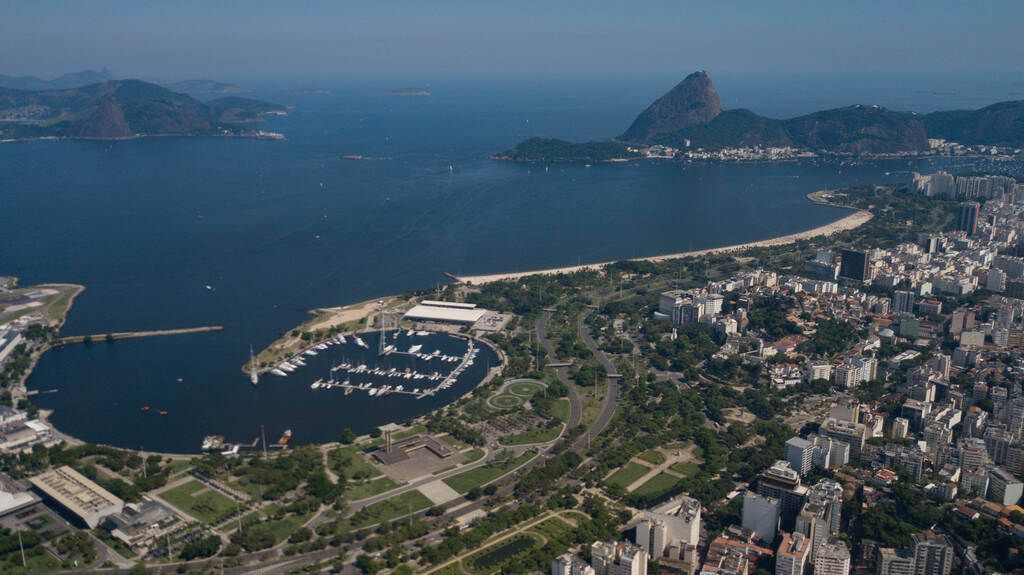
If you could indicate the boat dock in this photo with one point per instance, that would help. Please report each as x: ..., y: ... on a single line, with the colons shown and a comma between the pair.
x: 134, y: 334
x: 385, y: 390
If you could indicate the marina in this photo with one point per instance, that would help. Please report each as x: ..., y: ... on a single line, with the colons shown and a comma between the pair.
x: 417, y: 383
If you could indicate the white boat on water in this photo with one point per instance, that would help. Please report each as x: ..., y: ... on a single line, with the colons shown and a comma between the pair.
x: 342, y: 340
x: 286, y: 367
x: 311, y: 352
x: 410, y: 333
x: 277, y: 371
x: 423, y: 333
x: 322, y: 346
x: 315, y: 385
x: 373, y: 391
x: 297, y: 361
x: 415, y: 348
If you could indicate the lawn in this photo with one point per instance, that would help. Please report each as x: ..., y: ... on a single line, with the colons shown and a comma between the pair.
x: 553, y: 528
x: 685, y: 469
x: 506, y: 401
x: 654, y: 457
x: 473, y: 454
x: 179, y: 465
x: 370, y: 488
x: 629, y: 473
x: 38, y: 559
x: 348, y: 461
x: 467, y: 480
x: 656, y: 485
x: 283, y: 528
x: 561, y: 410
x: 409, y: 432
x: 535, y: 435
x: 524, y: 388
x: 208, y: 507
x: 391, y: 508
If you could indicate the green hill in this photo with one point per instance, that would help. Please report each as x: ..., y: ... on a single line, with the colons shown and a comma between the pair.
x: 122, y: 109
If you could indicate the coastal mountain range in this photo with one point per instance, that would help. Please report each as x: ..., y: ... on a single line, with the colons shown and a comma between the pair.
x: 87, y: 77
x: 690, y: 115
x: 123, y: 109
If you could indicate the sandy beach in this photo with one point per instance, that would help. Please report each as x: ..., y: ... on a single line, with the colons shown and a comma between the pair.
x: 850, y: 222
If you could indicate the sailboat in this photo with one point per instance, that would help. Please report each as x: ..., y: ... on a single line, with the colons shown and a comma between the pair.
x: 253, y: 376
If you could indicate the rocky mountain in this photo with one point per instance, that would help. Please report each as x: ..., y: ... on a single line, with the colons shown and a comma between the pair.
x: 691, y: 115
x: 71, y: 80
x: 122, y: 109
x: 692, y: 102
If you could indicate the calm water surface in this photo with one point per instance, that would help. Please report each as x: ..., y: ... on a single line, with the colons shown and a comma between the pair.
x: 280, y: 227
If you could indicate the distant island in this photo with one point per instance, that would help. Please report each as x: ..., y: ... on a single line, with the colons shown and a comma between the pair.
x: 409, y: 92
x: 690, y: 117
x: 120, y: 109
x: 310, y: 91
x: 204, y: 87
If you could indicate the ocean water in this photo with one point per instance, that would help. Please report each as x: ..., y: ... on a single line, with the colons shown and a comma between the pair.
x: 275, y: 228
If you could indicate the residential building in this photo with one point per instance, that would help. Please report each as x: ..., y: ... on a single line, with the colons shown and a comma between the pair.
x: 674, y: 522
x: 782, y: 482
x: 792, y: 554
x: 761, y: 515
x: 833, y: 558
x: 569, y: 564
x: 933, y: 554
x: 1003, y: 487
x: 969, y: 217
x: 894, y: 561
x: 903, y: 302
x: 800, y: 454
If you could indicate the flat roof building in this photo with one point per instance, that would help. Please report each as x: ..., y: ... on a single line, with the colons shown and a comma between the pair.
x: 76, y: 493
x: 447, y: 312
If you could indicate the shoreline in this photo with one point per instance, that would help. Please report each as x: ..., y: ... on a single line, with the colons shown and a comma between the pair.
x: 846, y: 223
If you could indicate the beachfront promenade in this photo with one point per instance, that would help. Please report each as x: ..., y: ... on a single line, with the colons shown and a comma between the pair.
x: 854, y: 220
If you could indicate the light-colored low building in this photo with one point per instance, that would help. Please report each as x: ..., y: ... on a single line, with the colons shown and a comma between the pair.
x: 79, y: 495
x: 445, y: 312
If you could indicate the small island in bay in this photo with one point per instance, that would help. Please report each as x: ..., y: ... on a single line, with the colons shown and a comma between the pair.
x: 409, y: 92
x: 123, y: 109
x: 203, y: 86
x: 308, y: 91
x: 558, y: 151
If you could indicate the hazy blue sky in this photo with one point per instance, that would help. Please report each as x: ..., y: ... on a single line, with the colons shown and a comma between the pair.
x: 282, y: 39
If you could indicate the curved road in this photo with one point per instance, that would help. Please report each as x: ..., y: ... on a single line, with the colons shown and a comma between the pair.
x: 611, y: 398
x: 575, y: 404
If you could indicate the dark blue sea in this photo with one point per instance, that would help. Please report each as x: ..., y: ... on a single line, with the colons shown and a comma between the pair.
x: 276, y: 228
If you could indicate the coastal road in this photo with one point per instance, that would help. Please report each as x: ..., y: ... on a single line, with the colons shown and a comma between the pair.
x: 575, y: 403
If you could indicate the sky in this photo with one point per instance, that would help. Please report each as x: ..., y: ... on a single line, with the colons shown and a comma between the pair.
x: 297, y: 39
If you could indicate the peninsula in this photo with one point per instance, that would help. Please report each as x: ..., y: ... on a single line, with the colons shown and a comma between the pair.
x: 690, y: 117
x: 123, y: 109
